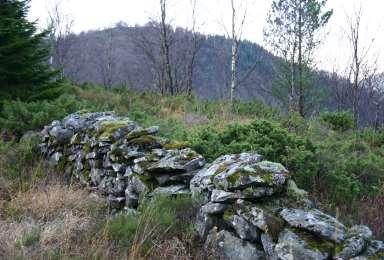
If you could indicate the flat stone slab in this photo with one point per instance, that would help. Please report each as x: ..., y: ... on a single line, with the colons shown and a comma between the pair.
x: 316, y: 222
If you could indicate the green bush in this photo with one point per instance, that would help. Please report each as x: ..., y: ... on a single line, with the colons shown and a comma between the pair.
x: 349, y: 169
x: 339, y: 121
x: 265, y: 137
x: 19, y: 117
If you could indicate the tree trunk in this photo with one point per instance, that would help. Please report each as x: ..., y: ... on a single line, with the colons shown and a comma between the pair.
x: 300, y: 62
x: 233, y: 55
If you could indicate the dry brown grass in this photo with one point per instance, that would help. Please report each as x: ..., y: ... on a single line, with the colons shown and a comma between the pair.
x: 371, y: 213
x: 46, y: 202
x: 63, y: 217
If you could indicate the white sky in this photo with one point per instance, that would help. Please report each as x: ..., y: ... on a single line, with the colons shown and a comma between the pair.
x: 212, y: 14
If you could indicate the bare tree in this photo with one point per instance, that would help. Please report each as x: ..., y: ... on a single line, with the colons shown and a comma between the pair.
x: 107, y: 63
x: 361, y: 70
x: 171, y: 54
x: 196, y: 43
x: 60, y: 26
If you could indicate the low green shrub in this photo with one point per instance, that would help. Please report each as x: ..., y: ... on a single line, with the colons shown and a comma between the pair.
x: 339, y: 121
x: 19, y: 117
x: 265, y: 137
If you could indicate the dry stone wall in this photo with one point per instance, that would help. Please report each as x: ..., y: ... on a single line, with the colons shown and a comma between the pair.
x: 252, y: 208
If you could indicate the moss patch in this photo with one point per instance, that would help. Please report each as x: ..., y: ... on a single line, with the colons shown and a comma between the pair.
x: 317, y: 243
x: 145, y: 141
x: 176, y: 145
x: 109, y: 127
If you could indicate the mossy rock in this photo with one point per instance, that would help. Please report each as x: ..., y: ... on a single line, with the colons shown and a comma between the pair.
x: 108, y: 128
x: 176, y: 145
x: 146, y: 141
x: 317, y: 243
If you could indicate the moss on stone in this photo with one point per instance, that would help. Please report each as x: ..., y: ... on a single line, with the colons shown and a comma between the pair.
x: 229, y: 213
x: 235, y: 177
x: 87, y: 175
x: 109, y: 127
x: 87, y: 147
x: 176, y: 145
x: 317, y: 243
x: 145, y: 140
x: 268, y: 178
x: 148, y: 181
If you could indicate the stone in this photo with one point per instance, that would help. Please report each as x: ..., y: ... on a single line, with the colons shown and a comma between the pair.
x: 291, y: 246
x: 257, y: 192
x: 55, y: 158
x: 116, y: 202
x: 317, y: 222
x: 178, y: 161
x: 223, y: 196
x: 244, y: 230
x: 138, y: 132
x: 360, y: 231
x: 202, y: 181
x: 214, y: 208
x: 268, y: 246
x: 374, y: 249
x: 240, y: 176
x: 351, y: 247
x: 74, y: 122
x: 232, y: 248
x: 61, y: 135
x: 131, y: 197
x: 204, y: 223
x: 262, y: 219
x: 96, y: 175
x: 172, y: 190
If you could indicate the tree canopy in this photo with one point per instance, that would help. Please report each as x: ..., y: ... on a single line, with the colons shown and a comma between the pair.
x: 24, y: 55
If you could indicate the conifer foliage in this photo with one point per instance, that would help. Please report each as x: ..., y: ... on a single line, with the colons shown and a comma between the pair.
x: 25, y: 72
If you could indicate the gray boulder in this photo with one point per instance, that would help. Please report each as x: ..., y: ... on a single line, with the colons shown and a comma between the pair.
x: 244, y: 230
x: 230, y: 247
x: 214, y: 208
x: 351, y: 247
x: 316, y: 222
x: 177, y: 161
x: 291, y: 246
x: 203, y: 180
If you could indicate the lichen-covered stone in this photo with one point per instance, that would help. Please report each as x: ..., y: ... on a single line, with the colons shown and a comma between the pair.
x: 268, y: 246
x: 244, y: 230
x: 317, y: 222
x: 291, y: 246
x: 262, y: 219
x: 203, y: 180
x: 230, y: 247
x: 351, y: 247
x: 223, y: 196
x: 214, y: 208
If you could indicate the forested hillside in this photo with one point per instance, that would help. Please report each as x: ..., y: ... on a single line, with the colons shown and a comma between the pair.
x: 122, y: 46
x: 124, y: 55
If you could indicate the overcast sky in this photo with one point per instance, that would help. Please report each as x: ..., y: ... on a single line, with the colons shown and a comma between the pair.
x: 212, y: 14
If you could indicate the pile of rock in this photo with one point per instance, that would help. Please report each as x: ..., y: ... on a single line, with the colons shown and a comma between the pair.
x: 254, y: 211
x: 118, y: 157
x: 251, y: 210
